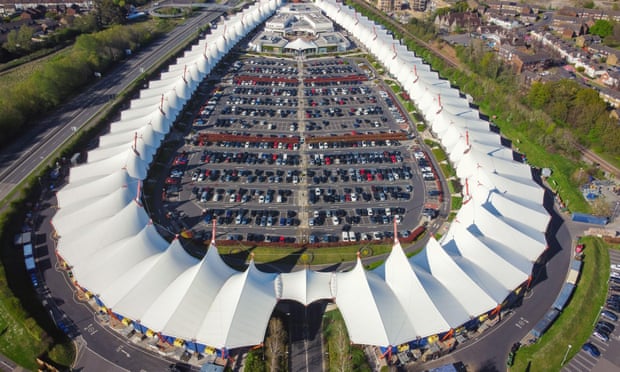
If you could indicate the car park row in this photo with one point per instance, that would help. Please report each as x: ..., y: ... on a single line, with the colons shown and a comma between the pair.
x: 604, y: 339
x: 252, y: 164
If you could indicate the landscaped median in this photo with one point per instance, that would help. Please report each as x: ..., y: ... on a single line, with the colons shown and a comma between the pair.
x: 302, y: 256
x: 574, y: 326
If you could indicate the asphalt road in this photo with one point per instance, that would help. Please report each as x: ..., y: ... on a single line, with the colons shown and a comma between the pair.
x: 19, y: 159
x: 306, y: 347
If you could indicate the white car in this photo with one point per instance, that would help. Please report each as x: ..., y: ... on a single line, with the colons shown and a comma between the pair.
x: 261, y: 199
x: 397, y: 219
x: 335, y: 220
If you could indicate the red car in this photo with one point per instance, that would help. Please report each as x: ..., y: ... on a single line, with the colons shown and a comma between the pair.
x: 172, y: 181
x: 180, y: 160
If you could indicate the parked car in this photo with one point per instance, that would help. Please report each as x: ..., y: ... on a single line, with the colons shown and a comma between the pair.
x: 609, y: 315
x: 511, y: 359
x: 605, y: 326
x: 591, y: 349
x: 601, y: 336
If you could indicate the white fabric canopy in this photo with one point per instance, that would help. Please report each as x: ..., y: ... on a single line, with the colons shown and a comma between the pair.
x: 300, y: 44
x: 117, y: 253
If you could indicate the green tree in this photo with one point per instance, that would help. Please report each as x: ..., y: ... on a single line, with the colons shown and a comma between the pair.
x: 539, y: 95
x: 110, y: 12
x: 586, y: 110
x: 602, y: 28
x: 589, y: 4
x: 20, y: 41
x: 254, y: 362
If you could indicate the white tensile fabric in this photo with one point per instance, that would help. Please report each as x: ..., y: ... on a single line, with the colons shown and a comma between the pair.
x: 117, y: 253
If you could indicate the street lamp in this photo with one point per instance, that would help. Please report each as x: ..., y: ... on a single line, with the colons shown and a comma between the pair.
x: 597, y: 315
x: 566, y: 354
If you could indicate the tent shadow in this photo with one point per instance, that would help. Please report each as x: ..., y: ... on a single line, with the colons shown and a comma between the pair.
x: 284, y: 264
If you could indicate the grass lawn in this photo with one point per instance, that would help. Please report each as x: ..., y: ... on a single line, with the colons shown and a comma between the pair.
x: 291, y: 255
x: 457, y: 202
x: 447, y: 170
x: 21, y: 73
x: 439, y: 154
x: 574, y: 326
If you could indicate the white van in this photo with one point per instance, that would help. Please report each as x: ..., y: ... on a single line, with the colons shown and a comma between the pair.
x: 352, y: 237
x: 345, y: 236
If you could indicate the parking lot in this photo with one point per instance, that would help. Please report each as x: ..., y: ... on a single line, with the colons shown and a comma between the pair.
x: 300, y: 152
x: 602, y: 352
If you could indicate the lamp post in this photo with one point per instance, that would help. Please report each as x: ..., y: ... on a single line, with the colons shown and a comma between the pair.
x: 566, y: 354
x: 597, y: 315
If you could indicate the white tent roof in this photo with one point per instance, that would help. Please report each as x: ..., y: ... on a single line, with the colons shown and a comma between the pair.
x: 78, y: 246
x: 420, y: 309
x: 83, y: 192
x: 117, y: 253
x: 300, y: 44
x: 370, y: 309
x: 75, y: 216
x: 305, y: 286
x: 185, y: 316
x: 153, y: 288
x: 126, y: 259
x: 241, y: 310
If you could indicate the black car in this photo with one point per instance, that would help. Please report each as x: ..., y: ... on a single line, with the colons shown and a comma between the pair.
x: 615, y: 306
x: 606, y: 326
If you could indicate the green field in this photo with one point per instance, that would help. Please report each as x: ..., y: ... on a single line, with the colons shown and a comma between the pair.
x: 300, y: 256
x: 574, y: 326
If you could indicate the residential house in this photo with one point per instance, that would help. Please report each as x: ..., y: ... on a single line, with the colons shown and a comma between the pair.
x: 611, y: 78
x: 610, y: 96
x: 612, y: 56
x: 452, y: 22
x: 418, y: 5
x: 560, y: 23
x: 585, y: 41
x: 522, y: 61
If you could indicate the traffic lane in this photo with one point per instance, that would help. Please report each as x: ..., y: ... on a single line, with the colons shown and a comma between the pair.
x: 304, y: 325
x: 88, y: 360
